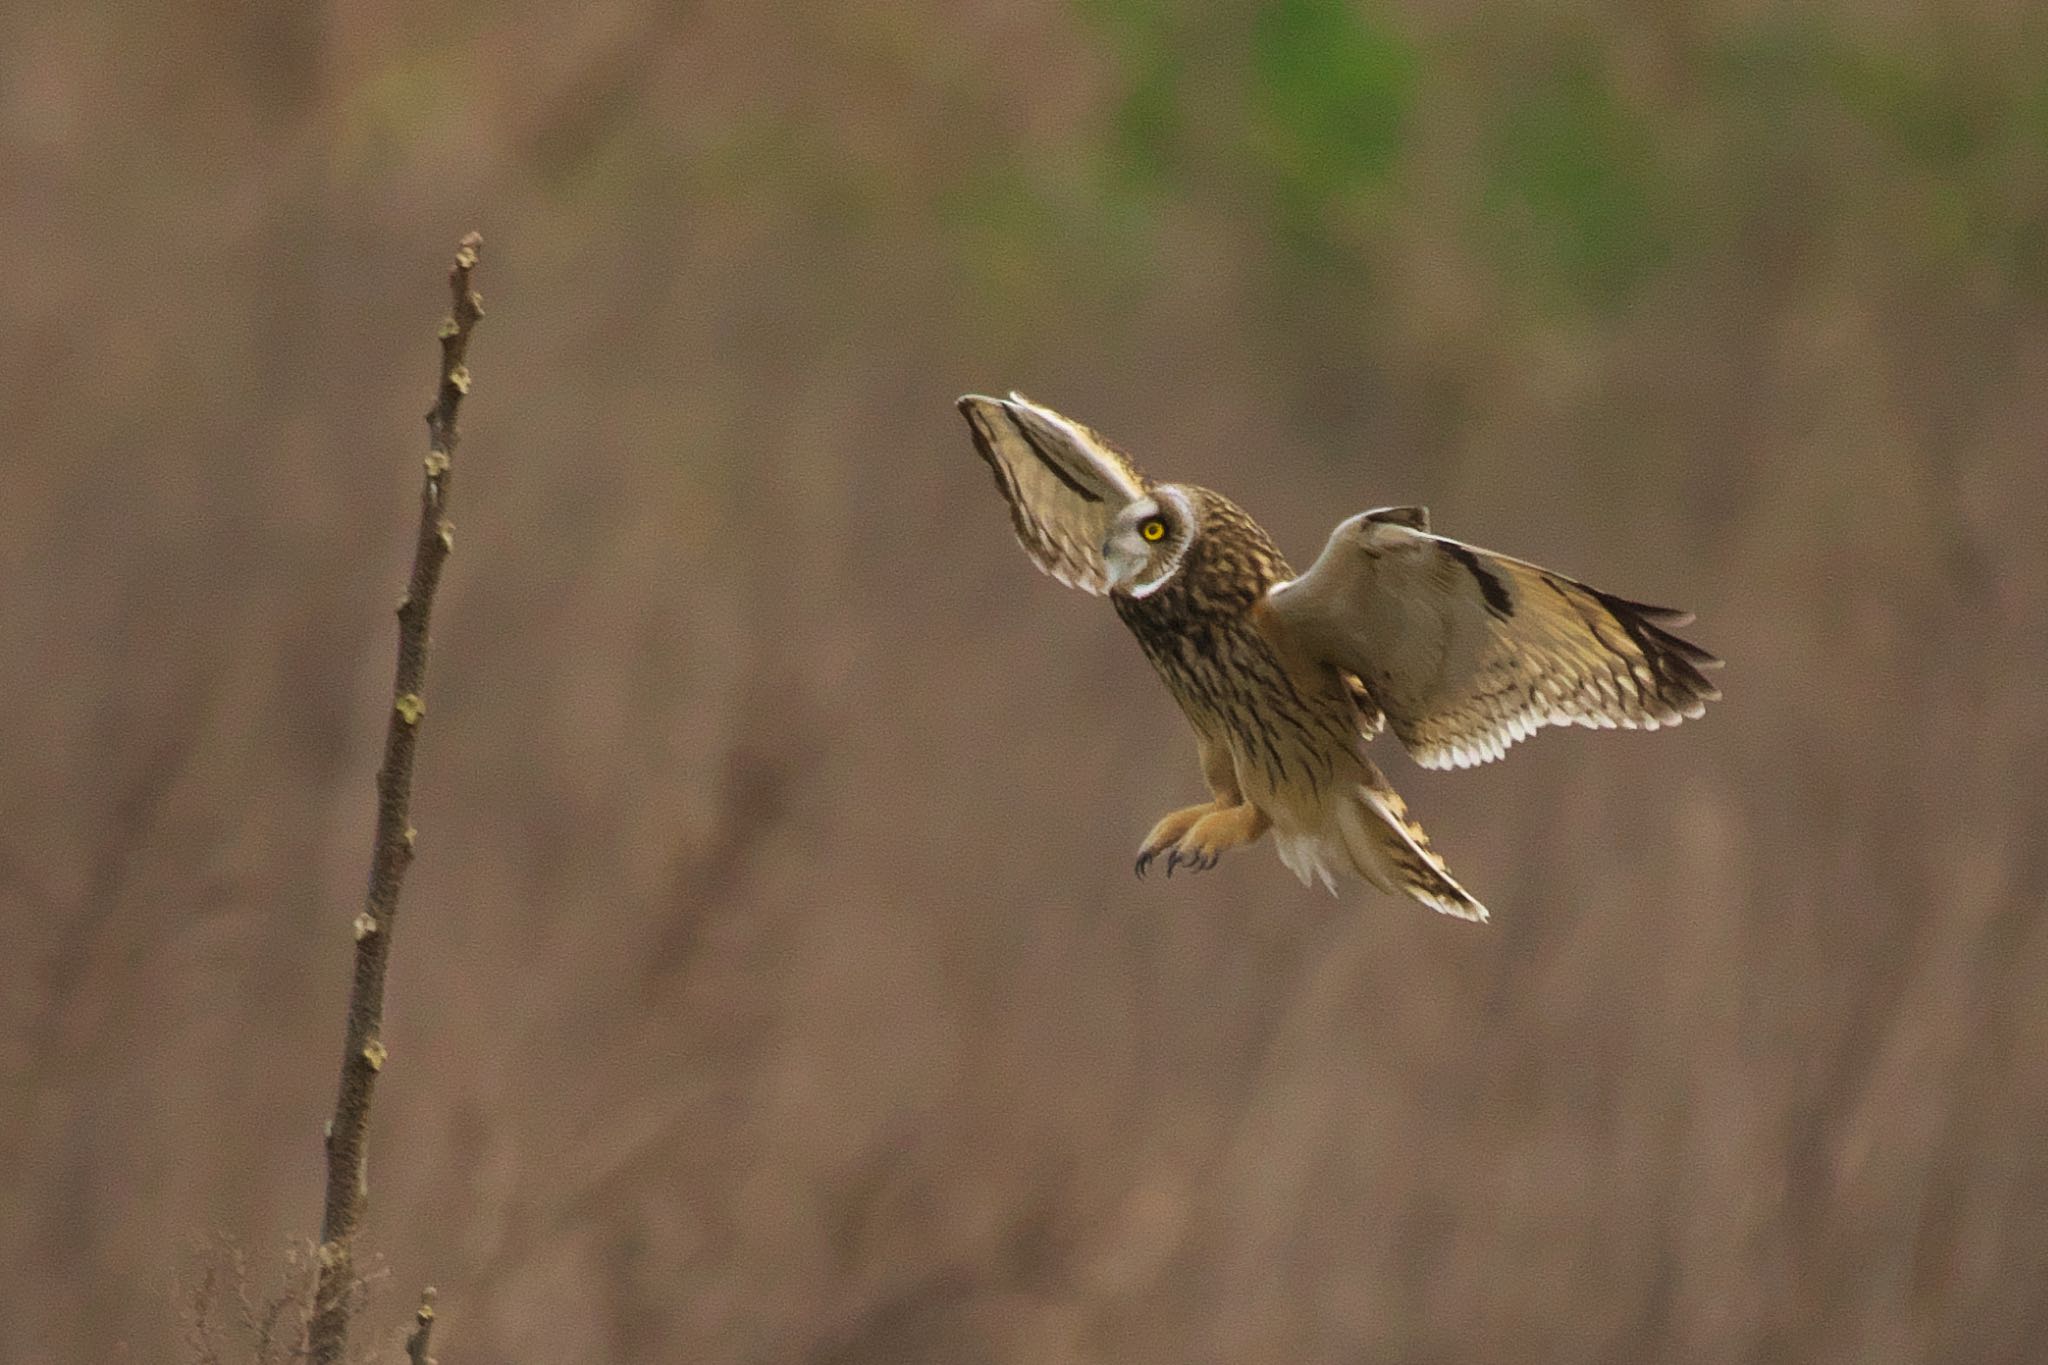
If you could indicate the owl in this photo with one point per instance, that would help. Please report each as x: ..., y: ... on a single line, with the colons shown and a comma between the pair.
x: 1284, y: 676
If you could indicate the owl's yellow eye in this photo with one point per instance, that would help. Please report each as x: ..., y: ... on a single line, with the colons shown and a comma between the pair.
x: 1155, y: 529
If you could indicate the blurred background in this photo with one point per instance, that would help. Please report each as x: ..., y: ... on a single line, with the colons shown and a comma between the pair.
x: 772, y: 984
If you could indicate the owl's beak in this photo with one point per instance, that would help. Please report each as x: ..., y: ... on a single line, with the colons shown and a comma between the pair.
x: 1122, y: 561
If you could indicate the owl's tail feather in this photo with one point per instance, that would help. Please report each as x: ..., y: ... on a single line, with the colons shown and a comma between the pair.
x: 1369, y: 833
x: 1390, y: 850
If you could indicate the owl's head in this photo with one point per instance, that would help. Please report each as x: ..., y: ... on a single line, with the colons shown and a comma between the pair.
x: 1149, y: 539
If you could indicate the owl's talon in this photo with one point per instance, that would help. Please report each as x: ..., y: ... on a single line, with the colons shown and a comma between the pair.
x: 1167, y: 834
x: 1203, y: 844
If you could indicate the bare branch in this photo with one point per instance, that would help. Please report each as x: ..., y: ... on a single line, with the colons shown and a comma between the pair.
x: 423, y: 1329
x: 364, y: 1053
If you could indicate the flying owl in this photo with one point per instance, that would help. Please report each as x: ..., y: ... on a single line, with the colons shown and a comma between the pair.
x: 1459, y: 651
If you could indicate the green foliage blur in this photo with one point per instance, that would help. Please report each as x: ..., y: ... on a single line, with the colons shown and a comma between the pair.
x: 1587, y: 179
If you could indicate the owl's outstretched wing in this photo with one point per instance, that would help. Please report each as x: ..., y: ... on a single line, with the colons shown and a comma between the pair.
x: 1468, y: 651
x: 1065, y: 484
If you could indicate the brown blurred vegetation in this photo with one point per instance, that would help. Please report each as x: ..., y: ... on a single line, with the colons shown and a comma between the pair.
x: 773, y: 984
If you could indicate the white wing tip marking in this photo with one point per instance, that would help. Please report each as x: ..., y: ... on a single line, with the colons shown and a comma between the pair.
x: 1491, y: 745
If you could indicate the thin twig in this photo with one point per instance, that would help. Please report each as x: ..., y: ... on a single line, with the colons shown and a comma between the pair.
x: 423, y: 1329
x: 364, y: 1054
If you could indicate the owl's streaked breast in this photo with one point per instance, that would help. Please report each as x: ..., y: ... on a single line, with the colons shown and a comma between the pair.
x: 1198, y: 630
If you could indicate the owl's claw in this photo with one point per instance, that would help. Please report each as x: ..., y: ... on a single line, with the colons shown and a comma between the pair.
x: 1199, y: 858
x: 1197, y: 838
x: 1166, y: 835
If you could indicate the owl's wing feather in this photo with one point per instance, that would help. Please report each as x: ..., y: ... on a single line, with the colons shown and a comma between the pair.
x: 1064, y: 483
x: 1467, y: 651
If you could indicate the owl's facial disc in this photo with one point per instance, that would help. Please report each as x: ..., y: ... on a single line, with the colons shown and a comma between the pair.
x: 1146, y: 543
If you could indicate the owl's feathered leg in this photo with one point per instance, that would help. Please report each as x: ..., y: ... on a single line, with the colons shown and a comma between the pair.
x: 1196, y: 836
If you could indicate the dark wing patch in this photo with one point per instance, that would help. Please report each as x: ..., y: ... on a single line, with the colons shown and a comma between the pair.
x: 1490, y: 587
x: 1036, y: 441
